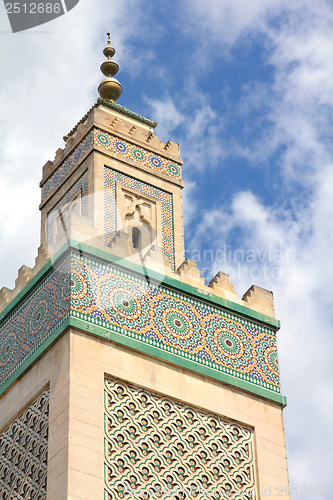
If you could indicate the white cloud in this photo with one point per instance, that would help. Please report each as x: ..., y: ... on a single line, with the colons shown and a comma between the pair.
x: 224, y: 22
x: 49, y: 78
x: 166, y: 112
x: 298, y: 106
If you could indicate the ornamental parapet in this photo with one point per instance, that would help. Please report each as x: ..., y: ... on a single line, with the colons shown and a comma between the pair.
x: 111, y: 132
x: 160, y: 315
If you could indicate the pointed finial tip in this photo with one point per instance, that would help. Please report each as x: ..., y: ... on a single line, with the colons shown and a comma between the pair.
x: 108, y: 35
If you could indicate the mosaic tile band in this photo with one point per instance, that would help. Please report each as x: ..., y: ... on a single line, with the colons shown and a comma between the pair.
x: 68, y: 166
x: 79, y: 189
x: 173, y: 321
x: 122, y: 302
x: 34, y: 320
x: 23, y: 453
x: 112, y: 143
x: 137, y: 154
x: 157, y: 448
x: 111, y: 178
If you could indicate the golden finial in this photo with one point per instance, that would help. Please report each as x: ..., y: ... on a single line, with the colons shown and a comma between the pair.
x: 109, y: 88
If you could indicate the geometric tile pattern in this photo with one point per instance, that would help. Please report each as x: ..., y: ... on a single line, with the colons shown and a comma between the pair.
x: 112, y: 143
x: 159, y: 448
x: 174, y: 322
x: 23, y: 453
x: 68, y: 165
x: 34, y: 320
x: 138, y: 154
x: 111, y: 178
x: 162, y: 318
x: 81, y: 188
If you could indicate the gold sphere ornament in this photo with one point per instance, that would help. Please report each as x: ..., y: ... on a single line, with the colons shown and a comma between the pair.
x: 109, y: 88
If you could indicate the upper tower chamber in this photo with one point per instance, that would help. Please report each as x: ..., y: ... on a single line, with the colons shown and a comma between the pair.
x: 116, y: 183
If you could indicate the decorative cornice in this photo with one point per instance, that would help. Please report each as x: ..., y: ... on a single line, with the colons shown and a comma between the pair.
x: 83, y: 119
x: 115, y: 107
x: 124, y: 111
x: 124, y: 149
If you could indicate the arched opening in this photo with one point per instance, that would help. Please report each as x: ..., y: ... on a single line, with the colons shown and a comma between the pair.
x: 136, y: 238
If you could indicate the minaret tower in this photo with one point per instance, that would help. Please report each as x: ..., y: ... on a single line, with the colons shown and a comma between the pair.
x: 122, y: 375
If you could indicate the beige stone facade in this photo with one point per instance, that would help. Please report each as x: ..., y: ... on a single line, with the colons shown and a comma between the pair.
x: 75, y: 368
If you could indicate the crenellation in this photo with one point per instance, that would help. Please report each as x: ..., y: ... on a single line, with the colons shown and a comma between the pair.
x: 41, y: 259
x: 80, y: 130
x: 68, y: 146
x: 24, y: 275
x: 155, y: 260
x: 223, y: 287
x: 190, y: 274
x: 172, y: 148
x: 6, y: 296
x: 58, y: 156
x: 260, y: 300
x: 47, y: 168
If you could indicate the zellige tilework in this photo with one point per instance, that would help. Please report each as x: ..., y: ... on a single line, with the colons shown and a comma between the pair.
x: 158, y: 316
x: 68, y: 165
x: 80, y: 188
x: 112, y: 143
x: 111, y: 178
x: 137, y: 154
x: 174, y: 322
x: 34, y: 320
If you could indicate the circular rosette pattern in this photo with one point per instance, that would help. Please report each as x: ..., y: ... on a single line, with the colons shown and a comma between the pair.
x: 120, y: 147
x: 268, y: 360
x: 78, y: 286
x: 9, y: 350
x: 103, y: 140
x: 155, y: 162
x: 179, y: 325
x: 173, y: 169
x: 39, y: 317
x: 61, y: 285
x: 228, y: 343
x: 138, y: 154
x: 126, y: 306
x: 271, y: 358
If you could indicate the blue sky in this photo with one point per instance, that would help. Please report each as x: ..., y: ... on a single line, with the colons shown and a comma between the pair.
x: 246, y: 89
